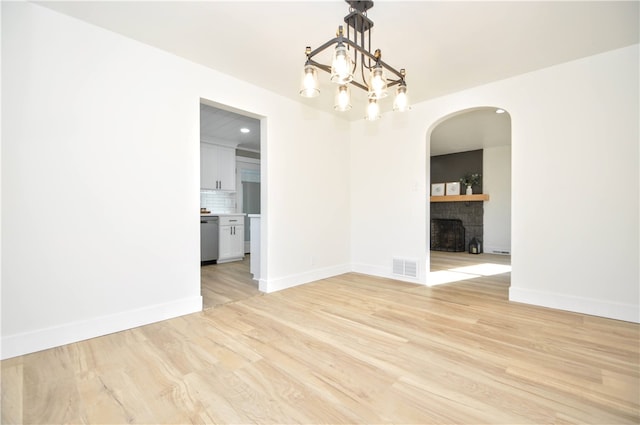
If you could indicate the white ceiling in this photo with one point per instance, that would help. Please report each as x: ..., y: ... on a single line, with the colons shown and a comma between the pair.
x: 445, y: 46
x: 476, y: 129
x: 219, y: 125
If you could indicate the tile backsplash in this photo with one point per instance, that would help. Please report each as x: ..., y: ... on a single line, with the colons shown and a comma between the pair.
x: 217, y: 201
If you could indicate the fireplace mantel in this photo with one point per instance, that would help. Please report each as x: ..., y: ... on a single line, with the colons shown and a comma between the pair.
x: 460, y: 198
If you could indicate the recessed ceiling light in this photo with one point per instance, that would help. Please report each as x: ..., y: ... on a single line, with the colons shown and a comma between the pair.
x: 244, y: 130
x: 500, y: 111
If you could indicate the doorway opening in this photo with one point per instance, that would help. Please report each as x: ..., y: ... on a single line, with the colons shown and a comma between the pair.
x: 230, y: 185
x: 469, y: 142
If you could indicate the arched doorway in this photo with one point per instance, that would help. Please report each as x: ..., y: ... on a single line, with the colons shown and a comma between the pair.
x: 470, y: 141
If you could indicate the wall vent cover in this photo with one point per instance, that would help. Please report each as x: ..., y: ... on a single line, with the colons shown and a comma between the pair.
x: 404, y: 267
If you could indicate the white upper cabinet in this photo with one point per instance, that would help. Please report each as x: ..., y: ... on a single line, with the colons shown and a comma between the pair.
x: 217, y: 167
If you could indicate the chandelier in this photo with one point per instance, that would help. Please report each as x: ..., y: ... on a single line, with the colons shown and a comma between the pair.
x: 353, y: 51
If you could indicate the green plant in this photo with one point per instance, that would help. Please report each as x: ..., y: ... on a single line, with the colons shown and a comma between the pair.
x: 470, y: 179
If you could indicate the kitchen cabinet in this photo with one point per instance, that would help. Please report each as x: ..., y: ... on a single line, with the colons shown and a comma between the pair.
x: 231, y: 238
x: 217, y: 167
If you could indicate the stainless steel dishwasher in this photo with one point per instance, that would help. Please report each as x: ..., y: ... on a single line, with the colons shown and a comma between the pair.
x: 208, y: 238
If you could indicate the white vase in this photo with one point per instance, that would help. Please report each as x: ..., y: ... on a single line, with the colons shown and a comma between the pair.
x: 469, y: 190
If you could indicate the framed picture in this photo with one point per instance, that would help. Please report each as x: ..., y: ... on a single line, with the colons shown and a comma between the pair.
x: 437, y: 189
x: 453, y: 188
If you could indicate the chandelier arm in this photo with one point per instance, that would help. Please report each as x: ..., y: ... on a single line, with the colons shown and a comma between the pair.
x: 360, y: 86
x: 355, y: 52
x: 391, y: 69
x: 368, y: 45
x: 371, y: 56
x: 362, y: 67
x: 363, y: 51
x: 317, y: 50
x: 393, y: 83
x: 355, y: 63
x: 327, y: 69
x: 359, y: 49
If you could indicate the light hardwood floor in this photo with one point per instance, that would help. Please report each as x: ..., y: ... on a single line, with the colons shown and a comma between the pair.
x: 227, y: 282
x: 349, y: 349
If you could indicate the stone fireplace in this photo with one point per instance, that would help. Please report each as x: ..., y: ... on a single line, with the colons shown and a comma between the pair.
x: 447, y: 235
x: 469, y: 213
x: 469, y: 210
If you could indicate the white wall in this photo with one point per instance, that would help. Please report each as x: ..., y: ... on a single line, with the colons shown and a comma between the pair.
x: 389, y: 193
x: 100, y: 181
x: 575, y: 184
x: 308, y: 191
x: 496, y: 181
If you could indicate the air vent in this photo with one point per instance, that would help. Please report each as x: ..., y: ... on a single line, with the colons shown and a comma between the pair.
x: 404, y: 267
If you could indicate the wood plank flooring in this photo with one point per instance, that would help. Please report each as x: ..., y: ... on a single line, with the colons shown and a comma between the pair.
x: 349, y: 349
x: 227, y: 282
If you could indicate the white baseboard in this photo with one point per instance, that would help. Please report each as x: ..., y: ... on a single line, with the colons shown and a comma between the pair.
x: 42, y: 339
x: 278, y: 284
x: 590, y: 306
x: 272, y: 285
x: 385, y: 272
x: 494, y: 249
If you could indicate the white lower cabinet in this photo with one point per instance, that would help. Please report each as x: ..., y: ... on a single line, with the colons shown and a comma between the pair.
x: 231, y: 238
